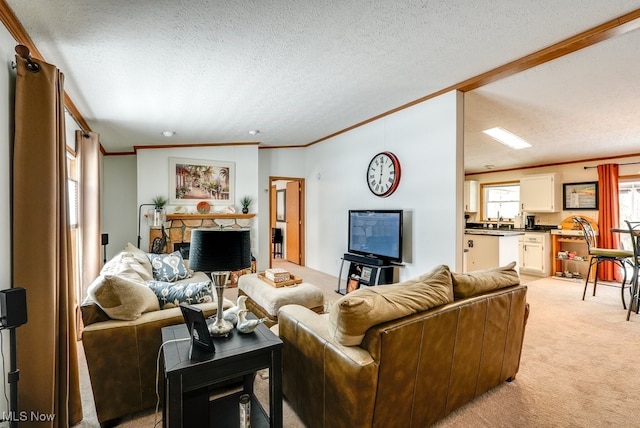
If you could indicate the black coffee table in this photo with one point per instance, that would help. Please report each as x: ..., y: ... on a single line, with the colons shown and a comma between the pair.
x: 187, y: 381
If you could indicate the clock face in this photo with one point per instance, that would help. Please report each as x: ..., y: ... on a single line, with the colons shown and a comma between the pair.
x: 383, y: 174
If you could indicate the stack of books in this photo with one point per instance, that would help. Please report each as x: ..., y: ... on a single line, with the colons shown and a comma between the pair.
x: 277, y: 275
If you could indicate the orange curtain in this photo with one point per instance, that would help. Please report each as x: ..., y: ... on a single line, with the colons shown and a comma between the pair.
x: 46, y: 345
x: 608, y: 217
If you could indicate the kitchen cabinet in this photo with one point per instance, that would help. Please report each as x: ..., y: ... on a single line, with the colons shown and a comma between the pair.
x: 535, y: 254
x: 540, y: 193
x: 485, y: 251
x: 471, y: 196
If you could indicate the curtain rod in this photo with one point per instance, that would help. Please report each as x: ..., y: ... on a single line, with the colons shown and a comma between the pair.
x: 24, y: 53
x: 627, y: 163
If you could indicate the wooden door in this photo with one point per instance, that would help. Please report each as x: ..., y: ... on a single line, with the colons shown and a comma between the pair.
x: 272, y: 205
x: 292, y: 216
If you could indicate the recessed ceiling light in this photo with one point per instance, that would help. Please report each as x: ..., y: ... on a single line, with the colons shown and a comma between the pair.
x: 505, y: 137
x: 254, y: 132
x: 490, y: 166
x: 168, y: 133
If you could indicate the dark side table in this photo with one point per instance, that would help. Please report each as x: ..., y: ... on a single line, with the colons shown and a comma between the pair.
x: 187, y: 381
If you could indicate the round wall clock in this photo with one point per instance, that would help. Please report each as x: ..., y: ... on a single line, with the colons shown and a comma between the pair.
x: 383, y: 174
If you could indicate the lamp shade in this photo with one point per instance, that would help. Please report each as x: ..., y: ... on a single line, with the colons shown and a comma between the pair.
x: 219, y: 250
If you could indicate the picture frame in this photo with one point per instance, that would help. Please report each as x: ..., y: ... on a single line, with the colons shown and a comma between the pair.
x: 352, y: 285
x: 281, y: 205
x: 580, y: 196
x: 198, y: 330
x: 196, y: 180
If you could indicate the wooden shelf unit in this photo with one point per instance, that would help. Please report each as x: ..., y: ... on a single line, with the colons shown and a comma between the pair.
x: 571, y: 238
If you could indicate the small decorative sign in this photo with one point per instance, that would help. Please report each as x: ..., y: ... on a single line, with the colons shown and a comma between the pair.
x: 580, y: 196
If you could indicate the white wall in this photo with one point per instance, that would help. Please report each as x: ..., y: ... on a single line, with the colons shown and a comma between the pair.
x: 119, y: 202
x: 280, y: 163
x: 427, y: 140
x: 153, y: 178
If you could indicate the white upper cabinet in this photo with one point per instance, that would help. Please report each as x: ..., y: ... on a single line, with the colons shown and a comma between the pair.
x: 470, y: 196
x: 540, y: 193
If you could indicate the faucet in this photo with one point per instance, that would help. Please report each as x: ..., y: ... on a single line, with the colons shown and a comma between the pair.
x: 499, y: 220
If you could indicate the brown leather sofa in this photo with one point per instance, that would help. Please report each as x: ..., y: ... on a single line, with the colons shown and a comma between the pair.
x: 122, y: 354
x: 408, y: 371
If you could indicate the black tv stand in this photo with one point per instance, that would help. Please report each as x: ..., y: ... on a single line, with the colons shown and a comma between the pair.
x: 366, y: 271
x: 371, y: 261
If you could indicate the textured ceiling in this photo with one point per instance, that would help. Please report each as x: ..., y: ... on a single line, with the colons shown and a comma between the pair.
x: 299, y: 71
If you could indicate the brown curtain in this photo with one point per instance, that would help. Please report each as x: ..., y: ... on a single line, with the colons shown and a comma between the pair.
x: 46, y: 345
x: 608, y: 217
x: 88, y: 152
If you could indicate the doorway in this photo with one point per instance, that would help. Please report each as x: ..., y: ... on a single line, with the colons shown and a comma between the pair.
x: 287, y: 220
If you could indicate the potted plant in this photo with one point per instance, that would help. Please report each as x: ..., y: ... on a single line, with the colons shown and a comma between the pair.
x: 158, y: 215
x: 245, y: 202
x: 159, y: 201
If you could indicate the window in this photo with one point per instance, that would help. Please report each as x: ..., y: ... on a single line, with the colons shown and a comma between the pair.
x: 629, y: 199
x: 501, y: 201
x: 73, y: 189
x: 629, y: 202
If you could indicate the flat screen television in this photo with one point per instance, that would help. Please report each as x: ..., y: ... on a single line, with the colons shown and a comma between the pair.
x: 376, y: 233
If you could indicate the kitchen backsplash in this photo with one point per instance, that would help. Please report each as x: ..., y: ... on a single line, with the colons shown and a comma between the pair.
x: 542, y: 219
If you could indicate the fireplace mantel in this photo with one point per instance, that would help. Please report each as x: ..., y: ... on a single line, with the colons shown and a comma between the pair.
x: 178, y: 227
x: 210, y: 216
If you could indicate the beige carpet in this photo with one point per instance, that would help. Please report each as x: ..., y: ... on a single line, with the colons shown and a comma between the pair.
x: 577, y: 368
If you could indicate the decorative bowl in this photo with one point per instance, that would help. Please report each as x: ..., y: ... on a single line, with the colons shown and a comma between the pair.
x: 203, y: 207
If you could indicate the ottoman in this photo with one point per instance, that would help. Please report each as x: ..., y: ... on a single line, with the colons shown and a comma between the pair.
x: 264, y: 300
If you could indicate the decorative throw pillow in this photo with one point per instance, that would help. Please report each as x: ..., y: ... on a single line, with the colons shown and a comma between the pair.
x: 168, y: 267
x: 352, y: 315
x: 481, y: 281
x: 130, y: 257
x: 121, y: 297
x: 141, y: 257
x: 171, y: 294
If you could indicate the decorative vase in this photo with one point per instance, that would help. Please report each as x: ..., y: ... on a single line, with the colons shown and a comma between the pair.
x: 221, y: 327
x: 156, y: 217
x: 245, y: 210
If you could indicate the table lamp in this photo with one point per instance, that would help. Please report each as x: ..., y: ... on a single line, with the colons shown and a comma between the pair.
x: 217, y: 252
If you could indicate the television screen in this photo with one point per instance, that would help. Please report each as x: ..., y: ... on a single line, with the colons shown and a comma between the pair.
x: 376, y: 233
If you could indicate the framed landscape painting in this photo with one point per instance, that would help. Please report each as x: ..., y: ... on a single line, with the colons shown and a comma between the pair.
x: 580, y: 196
x: 195, y: 180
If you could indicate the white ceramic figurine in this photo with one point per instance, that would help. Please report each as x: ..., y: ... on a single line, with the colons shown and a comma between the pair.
x: 231, y: 314
x: 245, y: 325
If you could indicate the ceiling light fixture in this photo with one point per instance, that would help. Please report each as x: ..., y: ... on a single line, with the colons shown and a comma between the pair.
x: 254, y: 132
x: 490, y: 166
x: 505, y: 137
x: 168, y: 133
